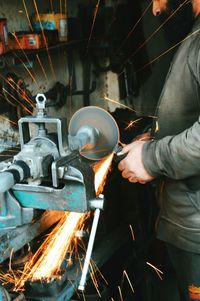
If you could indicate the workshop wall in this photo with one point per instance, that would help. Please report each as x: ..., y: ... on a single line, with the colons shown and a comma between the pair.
x: 40, y: 73
x: 119, y: 56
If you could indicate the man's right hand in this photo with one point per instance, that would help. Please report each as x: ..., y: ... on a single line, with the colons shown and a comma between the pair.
x: 131, y: 166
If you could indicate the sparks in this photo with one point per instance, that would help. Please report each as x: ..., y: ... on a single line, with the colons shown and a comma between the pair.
x: 158, y: 272
x: 44, y: 39
x: 134, y: 27
x: 118, y: 103
x: 101, y: 170
x: 93, y: 23
x: 132, y: 233
x: 125, y: 273
x: 153, y: 34
x: 6, y: 119
x: 50, y: 262
x: 120, y: 293
x: 27, y: 15
x: 42, y: 67
x: 132, y: 123
x: 16, y: 100
x: 46, y: 262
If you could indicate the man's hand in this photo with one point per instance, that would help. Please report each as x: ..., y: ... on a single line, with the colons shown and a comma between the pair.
x: 132, y: 166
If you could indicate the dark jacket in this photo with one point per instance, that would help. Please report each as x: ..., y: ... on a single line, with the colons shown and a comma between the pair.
x: 175, y: 153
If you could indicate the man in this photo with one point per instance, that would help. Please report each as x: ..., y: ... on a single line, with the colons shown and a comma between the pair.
x: 174, y: 158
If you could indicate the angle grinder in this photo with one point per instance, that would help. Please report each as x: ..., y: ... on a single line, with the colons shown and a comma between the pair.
x: 94, y: 132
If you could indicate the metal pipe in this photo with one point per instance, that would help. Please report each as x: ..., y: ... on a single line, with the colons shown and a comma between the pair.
x: 97, y: 203
x: 7, y: 181
x: 81, y: 286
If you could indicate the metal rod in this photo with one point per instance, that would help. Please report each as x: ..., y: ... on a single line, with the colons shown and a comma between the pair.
x: 81, y: 286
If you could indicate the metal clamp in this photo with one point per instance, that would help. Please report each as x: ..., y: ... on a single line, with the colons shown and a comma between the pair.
x: 40, y: 104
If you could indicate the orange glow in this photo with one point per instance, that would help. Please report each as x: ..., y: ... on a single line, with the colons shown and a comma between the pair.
x: 50, y: 261
x: 101, y: 170
x: 47, y: 261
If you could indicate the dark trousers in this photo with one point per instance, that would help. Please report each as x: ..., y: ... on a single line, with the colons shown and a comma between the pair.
x: 187, y: 270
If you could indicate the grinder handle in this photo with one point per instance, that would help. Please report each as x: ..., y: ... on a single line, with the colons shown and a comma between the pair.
x: 119, y: 155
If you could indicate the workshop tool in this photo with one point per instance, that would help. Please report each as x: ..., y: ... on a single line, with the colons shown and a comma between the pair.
x: 93, y: 132
x: 47, y: 159
x: 119, y: 154
x: 54, y: 171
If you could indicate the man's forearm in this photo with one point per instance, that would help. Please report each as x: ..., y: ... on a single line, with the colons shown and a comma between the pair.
x: 176, y: 157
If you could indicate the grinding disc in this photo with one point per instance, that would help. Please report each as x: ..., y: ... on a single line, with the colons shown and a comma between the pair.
x: 104, y: 123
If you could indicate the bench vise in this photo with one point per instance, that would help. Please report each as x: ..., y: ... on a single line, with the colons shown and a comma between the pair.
x: 53, y: 170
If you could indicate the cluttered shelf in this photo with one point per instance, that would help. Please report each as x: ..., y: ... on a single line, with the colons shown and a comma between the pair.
x: 32, y: 52
x: 49, y: 31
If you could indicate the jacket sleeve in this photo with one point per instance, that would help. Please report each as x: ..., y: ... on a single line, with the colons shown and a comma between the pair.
x: 176, y: 157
